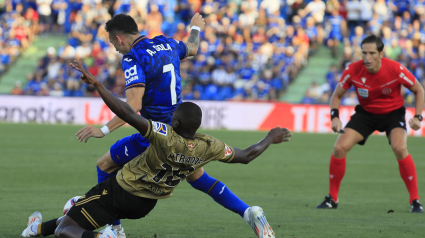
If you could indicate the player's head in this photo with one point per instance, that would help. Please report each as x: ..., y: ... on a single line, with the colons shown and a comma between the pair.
x: 122, y: 30
x: 372, y: 53
x: 187, y: 118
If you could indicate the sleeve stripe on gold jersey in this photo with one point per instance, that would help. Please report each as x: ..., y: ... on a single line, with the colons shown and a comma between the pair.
x: 209, y: 190
x: 89, y: 218
x: 87, y: 200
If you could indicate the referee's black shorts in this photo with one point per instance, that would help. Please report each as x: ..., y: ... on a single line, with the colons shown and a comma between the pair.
x: 366, y: 123
x: 108, y: 201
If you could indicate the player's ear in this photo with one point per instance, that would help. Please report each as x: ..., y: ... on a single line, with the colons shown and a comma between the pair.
x: 119, y: 39
x: 175, y: 122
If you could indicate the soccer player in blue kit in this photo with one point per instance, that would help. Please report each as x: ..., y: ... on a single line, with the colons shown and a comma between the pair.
x: 153, y: 87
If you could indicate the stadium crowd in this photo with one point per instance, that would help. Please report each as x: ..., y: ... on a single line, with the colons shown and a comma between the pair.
x: 401, y: 24
x: 17, y: 29
x: 250, y: 49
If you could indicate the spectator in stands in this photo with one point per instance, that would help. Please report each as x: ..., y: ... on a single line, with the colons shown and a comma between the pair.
x: 17, y: 90
x: 308, y: 99
x: 315, y: 91
x: 57, y: 91
x: 45, y: 14
x: 338, y: 30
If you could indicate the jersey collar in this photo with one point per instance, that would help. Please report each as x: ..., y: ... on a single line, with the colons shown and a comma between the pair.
x: 138, y: 40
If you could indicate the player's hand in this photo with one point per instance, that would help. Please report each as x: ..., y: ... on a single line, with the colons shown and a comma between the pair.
x: 279, y: 135
x: 198, y: 20
x: 87, y: 132
x: 86, y: 76
x: 336, y: 125
x: 414, y: 123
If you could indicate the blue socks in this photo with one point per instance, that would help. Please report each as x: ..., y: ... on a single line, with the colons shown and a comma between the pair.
x: 102, y: 176
x: 220, y: 193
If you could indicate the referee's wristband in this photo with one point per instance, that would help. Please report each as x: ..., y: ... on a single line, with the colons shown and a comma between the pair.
x: 105, y: 130
x: 196, y: 28
x: 334, y: 113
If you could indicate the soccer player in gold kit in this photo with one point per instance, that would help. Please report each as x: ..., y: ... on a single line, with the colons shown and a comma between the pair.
x: 175, y: 153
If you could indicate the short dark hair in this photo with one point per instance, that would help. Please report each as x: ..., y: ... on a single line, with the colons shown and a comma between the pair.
x: 189, y: 115
x: 122, y: 23
x: 374, y: 39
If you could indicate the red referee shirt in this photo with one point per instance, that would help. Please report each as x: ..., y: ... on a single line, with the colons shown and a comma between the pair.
x: 378, y: 93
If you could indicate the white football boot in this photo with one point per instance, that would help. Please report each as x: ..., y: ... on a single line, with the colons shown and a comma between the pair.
x: 108, y: 232
x: 255, y: 217
x: 33, y: 221
x: 120, y: 232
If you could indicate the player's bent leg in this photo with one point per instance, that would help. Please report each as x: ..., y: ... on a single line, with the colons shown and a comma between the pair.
x: 337, y: 165
x: 398, y: 141
x: 68, y: 228
x: 119, y: 154
x: 106, y: 164
x: 218, y: 191
x: 345, y: 142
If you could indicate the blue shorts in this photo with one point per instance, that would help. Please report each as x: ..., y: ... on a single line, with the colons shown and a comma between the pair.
x: 128, y: 148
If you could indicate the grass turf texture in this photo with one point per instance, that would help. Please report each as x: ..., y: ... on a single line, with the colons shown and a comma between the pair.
x: 42, y: 166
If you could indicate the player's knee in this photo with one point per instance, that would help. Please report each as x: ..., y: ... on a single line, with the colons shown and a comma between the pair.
x: 340, y: 150
x: 59, y: 232
x: 103, y: 163
x: 399, y: 149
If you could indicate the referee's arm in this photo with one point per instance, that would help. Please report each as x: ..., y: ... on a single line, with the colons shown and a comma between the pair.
x: 335, y: 104
x: 418, y: 91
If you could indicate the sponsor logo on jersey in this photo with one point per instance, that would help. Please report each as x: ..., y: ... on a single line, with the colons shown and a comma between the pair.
x: 386, y: 91
x: 227, y: 150
x: 130, y: 75
x: 159, y: 128
x: 127, y: 59
x: 364, y: 93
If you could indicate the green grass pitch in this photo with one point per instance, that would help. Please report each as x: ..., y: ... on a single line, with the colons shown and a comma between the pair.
x: 42, y: 166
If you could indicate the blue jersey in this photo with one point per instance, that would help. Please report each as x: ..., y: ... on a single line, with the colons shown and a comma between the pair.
x: 155, y: 65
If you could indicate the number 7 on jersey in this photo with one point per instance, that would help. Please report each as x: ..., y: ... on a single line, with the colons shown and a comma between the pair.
x: 170, y: 68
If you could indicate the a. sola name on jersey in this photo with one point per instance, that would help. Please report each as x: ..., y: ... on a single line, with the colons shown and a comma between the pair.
x: 158, y: 48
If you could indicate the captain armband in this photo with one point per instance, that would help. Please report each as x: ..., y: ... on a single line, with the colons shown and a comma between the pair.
x: 334, y: 113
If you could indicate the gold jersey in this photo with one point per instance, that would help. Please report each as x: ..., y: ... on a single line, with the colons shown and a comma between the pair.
x: 168, y: 160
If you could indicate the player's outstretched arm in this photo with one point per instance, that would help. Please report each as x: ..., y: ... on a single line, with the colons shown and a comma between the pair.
x: 120, y: 108
x: 275, y: 136
x: 197, y: 24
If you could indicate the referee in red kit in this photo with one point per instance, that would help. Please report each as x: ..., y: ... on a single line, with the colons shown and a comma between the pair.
x: 377, y: 81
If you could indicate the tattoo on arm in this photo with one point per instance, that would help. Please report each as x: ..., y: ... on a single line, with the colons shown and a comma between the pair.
x: 193, y: 42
